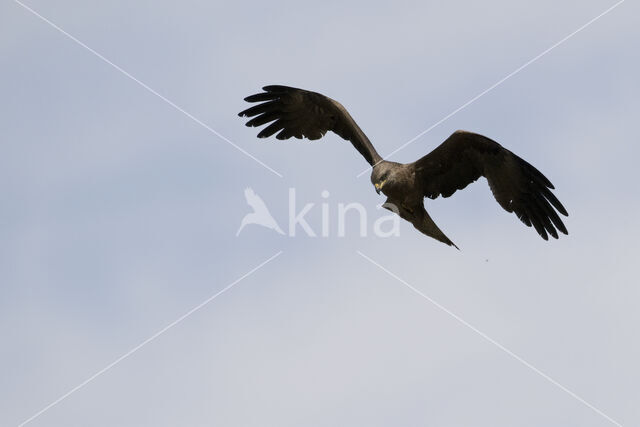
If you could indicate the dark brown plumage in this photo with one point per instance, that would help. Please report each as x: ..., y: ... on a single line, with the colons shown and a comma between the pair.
x: 460, y: 160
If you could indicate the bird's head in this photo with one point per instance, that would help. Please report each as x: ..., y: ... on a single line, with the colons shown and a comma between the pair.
x: 383, y: 175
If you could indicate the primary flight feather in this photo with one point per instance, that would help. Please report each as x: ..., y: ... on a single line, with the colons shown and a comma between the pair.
x: 460, y: 160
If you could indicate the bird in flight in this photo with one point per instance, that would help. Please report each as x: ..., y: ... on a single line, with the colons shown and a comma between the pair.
x: 460, y: 160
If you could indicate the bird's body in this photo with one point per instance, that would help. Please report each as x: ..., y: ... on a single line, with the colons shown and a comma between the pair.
x: 405, y: 196
x: 460, y: 160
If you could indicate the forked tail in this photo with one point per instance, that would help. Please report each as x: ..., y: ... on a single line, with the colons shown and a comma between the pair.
x: 419, y: 217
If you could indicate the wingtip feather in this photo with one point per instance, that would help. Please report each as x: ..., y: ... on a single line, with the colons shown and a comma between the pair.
x: 275, y: 88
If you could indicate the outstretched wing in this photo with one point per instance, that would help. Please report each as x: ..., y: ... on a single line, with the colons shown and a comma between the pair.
x: 302, y: 113
x: 516, y: 185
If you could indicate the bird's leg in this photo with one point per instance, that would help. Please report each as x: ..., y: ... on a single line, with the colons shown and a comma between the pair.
x: 407, y: 208
x: 398, y: 207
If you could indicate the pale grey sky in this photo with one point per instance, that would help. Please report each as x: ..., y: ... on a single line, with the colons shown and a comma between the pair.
x: 119, y: 215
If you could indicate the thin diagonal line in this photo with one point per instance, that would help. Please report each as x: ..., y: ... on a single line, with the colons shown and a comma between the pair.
x: 492, y: 341
x: 493, y: 86
x: 148, y: 340
x: 147, y: 87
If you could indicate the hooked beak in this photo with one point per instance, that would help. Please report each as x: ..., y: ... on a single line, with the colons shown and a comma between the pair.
x: 378, y: 186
